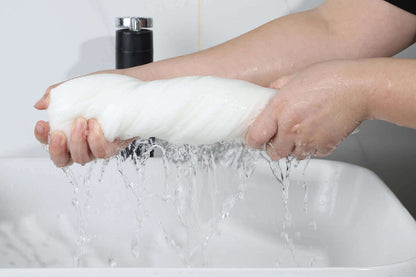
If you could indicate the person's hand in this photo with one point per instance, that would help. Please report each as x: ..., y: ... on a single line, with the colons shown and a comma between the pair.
x: 314, y: 110
x: 86, y: 143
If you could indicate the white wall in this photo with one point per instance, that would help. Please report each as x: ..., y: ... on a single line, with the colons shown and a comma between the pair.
x: 47, y: 41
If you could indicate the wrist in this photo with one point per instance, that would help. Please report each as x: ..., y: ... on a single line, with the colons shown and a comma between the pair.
x: 348, y: 79
x: 374, y: 83
x: 357, y: 80
x: 141, y: 72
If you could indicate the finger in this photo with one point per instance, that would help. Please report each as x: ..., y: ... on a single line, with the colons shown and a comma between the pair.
x: 58, y: 150
x: 301, y: 151
x: 281, y: 146
x: 99, y: 146
x: 281, y: 82
x: 42, y: 131
x: 262, y: 129
x: 78, y: 146
x: 304, y: 145
x: 121, y: 144
x: 43, y: 103
x: 96, y: 141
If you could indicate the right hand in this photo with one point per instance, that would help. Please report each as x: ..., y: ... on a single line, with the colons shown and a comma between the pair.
x: 86, y: 143
x: 313, y: 111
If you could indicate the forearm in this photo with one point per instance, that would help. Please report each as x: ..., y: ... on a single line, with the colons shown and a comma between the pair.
x: 274, y: 49
x: 335, y: 30
x: 390, y: 87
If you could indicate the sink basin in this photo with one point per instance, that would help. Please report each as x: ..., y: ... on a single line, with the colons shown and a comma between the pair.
x: 340, y: 220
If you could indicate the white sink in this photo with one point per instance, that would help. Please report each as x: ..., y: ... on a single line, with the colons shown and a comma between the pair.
x: 352, y: 225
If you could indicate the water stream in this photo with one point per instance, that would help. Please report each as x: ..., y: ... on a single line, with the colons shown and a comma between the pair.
x: 194, y: 186
x: 194, y: 206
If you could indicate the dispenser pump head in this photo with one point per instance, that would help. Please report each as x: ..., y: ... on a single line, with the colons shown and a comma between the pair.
x: 134, y: 23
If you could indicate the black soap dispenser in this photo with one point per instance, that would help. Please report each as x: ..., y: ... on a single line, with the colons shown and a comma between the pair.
x: 134, y: 46
x: 134, y: 41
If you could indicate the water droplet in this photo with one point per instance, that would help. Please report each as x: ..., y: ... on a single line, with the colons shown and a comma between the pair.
x: 75, y: 202
x: 313, y: 225
x: 356, y: 131
x: 112, y: 262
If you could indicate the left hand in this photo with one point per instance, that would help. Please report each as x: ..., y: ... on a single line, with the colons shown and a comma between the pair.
x: 87, y: 141
x: 314, y: 110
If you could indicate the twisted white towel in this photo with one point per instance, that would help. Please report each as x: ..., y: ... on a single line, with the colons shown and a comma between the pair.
x: 193, y: 110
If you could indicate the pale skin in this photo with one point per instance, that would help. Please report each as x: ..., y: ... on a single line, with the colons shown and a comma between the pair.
x: 324, y: 63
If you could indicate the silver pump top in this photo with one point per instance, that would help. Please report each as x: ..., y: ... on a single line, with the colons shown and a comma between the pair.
x: 134, y: 23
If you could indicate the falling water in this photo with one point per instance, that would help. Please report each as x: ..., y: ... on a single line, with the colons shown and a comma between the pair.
x: 305, y: 186
x: 81, y: 214
x: 192, y: 187
x: 202, y: 185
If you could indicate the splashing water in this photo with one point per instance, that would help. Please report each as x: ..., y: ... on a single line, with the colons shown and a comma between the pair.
x: 192, y: 187
x: 202, y: 185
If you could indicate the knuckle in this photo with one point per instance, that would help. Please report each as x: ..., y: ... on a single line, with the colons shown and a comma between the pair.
x: 292, y: 117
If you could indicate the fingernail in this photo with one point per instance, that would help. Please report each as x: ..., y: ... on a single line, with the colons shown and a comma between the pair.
x: 39, y: 128
x: 57, y: 139
x: 95, y: 127
x: 80, y: 125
